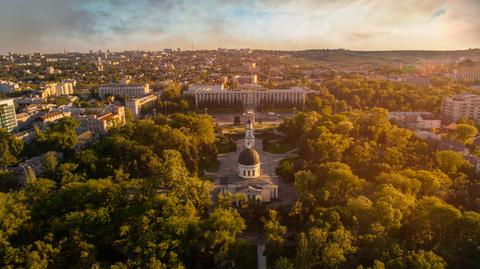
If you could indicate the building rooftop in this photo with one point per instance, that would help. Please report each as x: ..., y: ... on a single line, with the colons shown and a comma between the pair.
x: 249, y: 157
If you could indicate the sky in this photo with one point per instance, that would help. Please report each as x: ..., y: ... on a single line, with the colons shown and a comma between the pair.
x: 82, y: 25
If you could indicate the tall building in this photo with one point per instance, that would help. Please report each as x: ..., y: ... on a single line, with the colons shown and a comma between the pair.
x: 124, y: 89
x: 8, y: 118
x: 136, y: 105
x: 249, y: 136
x: 58, y: 89
x: 459, y: 106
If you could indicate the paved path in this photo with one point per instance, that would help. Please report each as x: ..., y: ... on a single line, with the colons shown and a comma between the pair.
x: 223, y: 119
x: 269, y: 161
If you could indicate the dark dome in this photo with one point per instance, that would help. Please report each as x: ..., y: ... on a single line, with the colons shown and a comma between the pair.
x: 249, y: 157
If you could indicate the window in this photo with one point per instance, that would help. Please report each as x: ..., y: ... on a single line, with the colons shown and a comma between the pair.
x: 244, y: 172
x: 248, y: 172
x: 253, y: 172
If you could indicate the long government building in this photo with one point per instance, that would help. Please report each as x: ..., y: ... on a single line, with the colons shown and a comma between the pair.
x: 216, y: 95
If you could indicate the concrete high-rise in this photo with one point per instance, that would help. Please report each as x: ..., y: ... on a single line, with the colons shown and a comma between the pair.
x: 8, y: 118
x: 466, y: 106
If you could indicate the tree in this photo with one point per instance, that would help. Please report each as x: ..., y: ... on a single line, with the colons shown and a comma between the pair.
x: 327, y: 147
x: 432, y: 225
x: 449, y: 161
x: 49, y: 163
x: 66, y: 173
x: 401, y: 182
x: 60, y: 136
x: 13, y: 214
x: 221, y: 227
x: 464, y: 133
x: 337, y: 182
x: 323, y: 248
x: 433, y: 183
x: 183, y: 105
x: 418, y: 260
x: 128, y: 115
x: 10, y: 148
x: 285, y: 169
x: 274, y: 230
x: 283, y: 263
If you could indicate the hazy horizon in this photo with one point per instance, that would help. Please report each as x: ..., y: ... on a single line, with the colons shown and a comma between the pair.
x: 52, y: 25
x: 95, y: 50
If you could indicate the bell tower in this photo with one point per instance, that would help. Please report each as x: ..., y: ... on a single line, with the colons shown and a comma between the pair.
x: 249, y: 136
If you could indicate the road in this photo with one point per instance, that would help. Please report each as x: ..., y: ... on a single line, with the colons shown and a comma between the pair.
x: 227, y: 118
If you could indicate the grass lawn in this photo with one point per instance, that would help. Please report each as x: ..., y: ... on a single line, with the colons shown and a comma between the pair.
x: 267, y: 135
x: 278, y: 147
x: 264, y: 126
x: 226, y: 147
x: 234, y: 132
x: 220, y: 110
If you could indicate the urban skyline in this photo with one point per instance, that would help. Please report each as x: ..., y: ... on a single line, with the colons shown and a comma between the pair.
x: 268, y: 134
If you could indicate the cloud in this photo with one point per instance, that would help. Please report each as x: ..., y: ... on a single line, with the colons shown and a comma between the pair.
x: 371, y: 34
x: 438, y: 13
x: 50, y: 25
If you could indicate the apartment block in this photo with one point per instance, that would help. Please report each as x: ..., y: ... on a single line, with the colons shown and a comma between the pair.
x: 8, y: 118
x: 124, y: 89
x: 137, y: 105
x: 461, y: 106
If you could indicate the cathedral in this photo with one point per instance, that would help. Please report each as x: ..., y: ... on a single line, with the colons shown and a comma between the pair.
x: 249, y: 180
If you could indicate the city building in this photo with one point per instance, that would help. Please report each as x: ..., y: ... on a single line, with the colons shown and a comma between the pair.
x: 428, y: 122
x: 101, y: 124
x: 50, y: 117
x: 22, y: 118
x: 124, y: 89
x: 459, y: 106
x: 58, y: 89
x: 48, y: 90
x: 8, y: 118
x: 64, y: 88
x: 416, y: 120
x: 8, y: 86
x: 73, y: 81
x: 216, y: 95
x: 467, y: 71
x: 85, y: 138
x: 248, y: 181
x: 35, y: 164
x: 25, y: 100
x: 27, y: 136
x: 245, y: 80
x: 416, y: 81
x: 137, y: 105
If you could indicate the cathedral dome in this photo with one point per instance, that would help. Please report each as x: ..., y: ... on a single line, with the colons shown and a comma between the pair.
x: 249, y: 157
